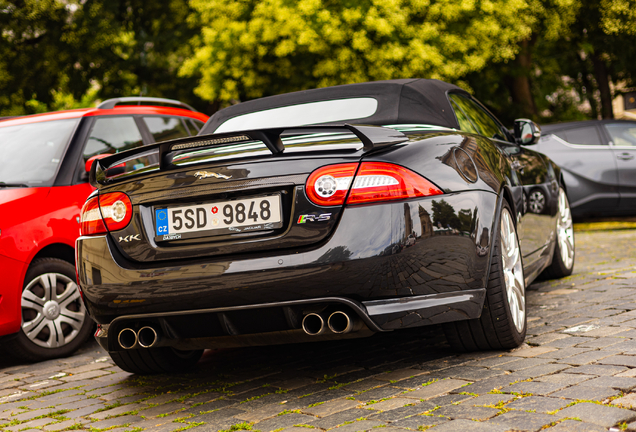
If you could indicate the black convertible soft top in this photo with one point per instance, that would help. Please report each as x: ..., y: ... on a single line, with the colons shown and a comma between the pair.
x: 402, y: 101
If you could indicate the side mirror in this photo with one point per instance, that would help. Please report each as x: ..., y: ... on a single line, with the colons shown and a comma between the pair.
x: 527, y: 132
x: 89, y: 162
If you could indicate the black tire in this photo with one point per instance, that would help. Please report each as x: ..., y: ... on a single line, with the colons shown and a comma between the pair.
x: 22, y: 346
x: 557, y: 268
x: 155, y: 360
x: 495, y: 329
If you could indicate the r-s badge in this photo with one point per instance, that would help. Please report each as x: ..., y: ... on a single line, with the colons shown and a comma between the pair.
x: 314, y: 218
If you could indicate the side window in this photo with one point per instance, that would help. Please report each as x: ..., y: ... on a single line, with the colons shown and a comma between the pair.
x: 197, y: 124
x: 464, y: 124
x: 623, y: 134
x: 582, y: 136
x: 484, y: 123
x: 112, y: 135
x: 166, y: 128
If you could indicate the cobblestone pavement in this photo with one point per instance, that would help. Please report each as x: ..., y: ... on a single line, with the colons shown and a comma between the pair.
x: 574, y: 374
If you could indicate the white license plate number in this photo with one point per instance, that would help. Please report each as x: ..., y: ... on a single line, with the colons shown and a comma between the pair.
x: 226, y: 217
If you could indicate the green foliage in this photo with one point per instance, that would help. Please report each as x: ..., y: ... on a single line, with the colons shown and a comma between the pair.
x: 255, y: 48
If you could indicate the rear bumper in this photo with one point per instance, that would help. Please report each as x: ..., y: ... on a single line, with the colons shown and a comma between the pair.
x: 405, y: 264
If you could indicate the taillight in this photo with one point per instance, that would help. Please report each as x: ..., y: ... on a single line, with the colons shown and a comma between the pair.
x: 374, y: 181
x: 379, y: 181
x: 107, y: 212
x: 328, y: 186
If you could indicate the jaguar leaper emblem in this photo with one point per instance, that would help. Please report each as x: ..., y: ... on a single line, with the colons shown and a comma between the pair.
x: 205, y: 174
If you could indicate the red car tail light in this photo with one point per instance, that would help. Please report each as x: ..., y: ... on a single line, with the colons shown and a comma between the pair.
x: 328, y: 186
x: 380, y: 181
x: 108, y: 212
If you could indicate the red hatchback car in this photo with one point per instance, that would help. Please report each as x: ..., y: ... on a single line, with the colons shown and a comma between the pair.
x: 44, y: 161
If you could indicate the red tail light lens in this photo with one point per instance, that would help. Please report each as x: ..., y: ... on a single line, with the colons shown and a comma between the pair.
x: 108, y: 212
x: 91, y: 219
x: 379, y: 181
x: 328, y: 186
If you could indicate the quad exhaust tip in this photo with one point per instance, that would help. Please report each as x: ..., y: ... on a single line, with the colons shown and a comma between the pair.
x: 147, y: 337
x: 340, y: 322
x: 314, y: 324
x: 127, y: 338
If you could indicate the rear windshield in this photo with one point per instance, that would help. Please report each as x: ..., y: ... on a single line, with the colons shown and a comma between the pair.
x: 30, y: 154
x: 303, y: 114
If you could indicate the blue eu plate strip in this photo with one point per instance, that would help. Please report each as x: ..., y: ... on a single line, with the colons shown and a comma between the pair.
x: 162, y: 221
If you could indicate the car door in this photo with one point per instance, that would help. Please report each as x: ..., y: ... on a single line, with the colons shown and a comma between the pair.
x: 622, y: 137
x: 588, y: 166
x: 535, y: 226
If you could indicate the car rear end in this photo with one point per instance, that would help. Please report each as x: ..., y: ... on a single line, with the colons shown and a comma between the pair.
x: 256, y: 238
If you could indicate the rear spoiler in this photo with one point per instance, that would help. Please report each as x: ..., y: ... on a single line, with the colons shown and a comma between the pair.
x: 373, y: 138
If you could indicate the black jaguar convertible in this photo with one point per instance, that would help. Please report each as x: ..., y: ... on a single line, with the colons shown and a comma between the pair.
x: 323, y: 214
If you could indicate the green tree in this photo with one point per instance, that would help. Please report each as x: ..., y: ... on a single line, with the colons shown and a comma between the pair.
x: 254, y: 48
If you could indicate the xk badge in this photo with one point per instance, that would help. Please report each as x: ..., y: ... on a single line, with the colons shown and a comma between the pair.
x: 314, y: 218
x: 129, y: 238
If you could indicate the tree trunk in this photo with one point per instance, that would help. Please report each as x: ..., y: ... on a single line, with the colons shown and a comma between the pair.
x: 521, y: 93
x: 589, y: 88
x: 602, y: 80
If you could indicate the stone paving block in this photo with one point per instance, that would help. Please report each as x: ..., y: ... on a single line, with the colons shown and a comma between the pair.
x: 585, y: 358
x: 576, y: 426
x: 489, y: 399
x: 87, y: 368
x: 627, y: 401
x: 329, y: 408
x: 601, y: 415
x: 117, y: 421
x: 435, y: 389
x: 38, y: 423
x: 469, y: 373
x: 389, y: 404
x: 544, y: 339
x: 565, y: 378
x: 55, y: 427
x: 210, y: 406
x: 493, y: 361
x: 533, y: 387
x: 541, y: 404
x: 339, y: 418
x: 522, y: 421
x: 84, y: 375
x: 161, y: 409
x: 283, y: 422
x: 600, y: 370
x: 116, y: 411
x: 33, y: 414
x: 544, y: 369
x: 468, y: 426
x: 450, y: 399
x: 531, y: 352
x: 620, y: 360
x: 466, y: 412
x: 296, y: 383
x: 418, y: 422
x: 485, y: 386
x: 399, y: 375
x: 261, y: 414
x: 217, y: 416
x: 523, y: 363
x: 379, y: 393
x: 82, y: 412
x: 620, y: 383
x: 362, y: 425
x: 416, y: 382
x: 564, y: 352
x: 402, y: 412
x: 631, y: 373
x: 569, y: 341
x: 602, y: 343
x: 579, y: 392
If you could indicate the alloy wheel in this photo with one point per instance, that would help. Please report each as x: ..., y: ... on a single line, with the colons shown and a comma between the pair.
x: 537, y: 201
x: 513, y: 270
x: 52, y: 310
x: 565, y: 231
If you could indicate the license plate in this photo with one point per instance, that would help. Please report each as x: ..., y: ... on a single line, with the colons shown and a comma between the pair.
x: 225, y: 217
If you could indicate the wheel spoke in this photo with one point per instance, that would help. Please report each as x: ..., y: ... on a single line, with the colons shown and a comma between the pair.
x: 31, y: 301
x: 49, y: 283
x: 70, y: 294
x: 35, y: 330
x: 75, y: 321
x: 28, y: 326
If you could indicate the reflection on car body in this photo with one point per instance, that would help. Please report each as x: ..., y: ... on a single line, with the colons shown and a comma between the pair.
x: 427, y: 225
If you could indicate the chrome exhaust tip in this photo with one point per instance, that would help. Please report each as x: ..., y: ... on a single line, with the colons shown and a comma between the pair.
x: 147, y: 337
x: 340, y: 322
x: 314, y: 324
x: 127, y: 338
